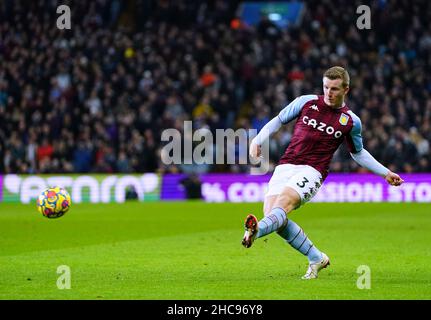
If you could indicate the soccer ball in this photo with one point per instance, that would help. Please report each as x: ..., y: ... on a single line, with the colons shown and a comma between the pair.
x: 53, y: 202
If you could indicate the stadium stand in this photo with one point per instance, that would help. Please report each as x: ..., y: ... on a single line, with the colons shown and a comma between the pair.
x: 96, y: 98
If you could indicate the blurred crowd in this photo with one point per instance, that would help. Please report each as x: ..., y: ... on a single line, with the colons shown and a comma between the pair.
x: 96, y: 98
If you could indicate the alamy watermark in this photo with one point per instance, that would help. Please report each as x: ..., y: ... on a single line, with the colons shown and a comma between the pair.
x: 64, y: 281
x: 64, y: 20
x: 364, y: 20
x: 201, y: 147
x: 364, y: 280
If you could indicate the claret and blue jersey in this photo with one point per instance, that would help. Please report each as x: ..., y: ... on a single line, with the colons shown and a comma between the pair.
x: 319, y: 131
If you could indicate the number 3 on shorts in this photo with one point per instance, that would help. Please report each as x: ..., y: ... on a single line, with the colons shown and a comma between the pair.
x: 302, y: 184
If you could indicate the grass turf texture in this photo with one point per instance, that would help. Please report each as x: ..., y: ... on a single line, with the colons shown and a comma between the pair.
x: 192, y: 250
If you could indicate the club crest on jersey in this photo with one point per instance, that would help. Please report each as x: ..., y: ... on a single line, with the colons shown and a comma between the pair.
x: 344, y: 118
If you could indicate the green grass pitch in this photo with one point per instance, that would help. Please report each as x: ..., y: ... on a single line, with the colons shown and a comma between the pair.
x: 192, y: 250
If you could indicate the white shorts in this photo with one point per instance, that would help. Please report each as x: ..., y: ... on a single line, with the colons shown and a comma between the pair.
x: 303, y: 179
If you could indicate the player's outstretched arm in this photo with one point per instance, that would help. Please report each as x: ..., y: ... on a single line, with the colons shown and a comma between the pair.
x: 366, y: 160
x: 271, y: 127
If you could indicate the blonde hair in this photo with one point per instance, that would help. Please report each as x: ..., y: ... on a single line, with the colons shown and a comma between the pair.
x: 338, y: 73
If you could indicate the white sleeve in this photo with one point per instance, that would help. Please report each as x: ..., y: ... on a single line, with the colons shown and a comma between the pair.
x: 366, y: 160
x: 271, y: 127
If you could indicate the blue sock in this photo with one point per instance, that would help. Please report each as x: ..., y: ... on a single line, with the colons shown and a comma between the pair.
x: 296, y: 237
x: 272, y: 222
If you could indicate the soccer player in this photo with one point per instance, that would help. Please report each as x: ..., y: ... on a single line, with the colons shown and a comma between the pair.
x: 323, y: 123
